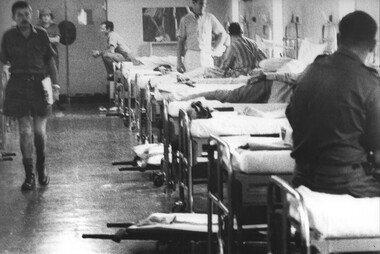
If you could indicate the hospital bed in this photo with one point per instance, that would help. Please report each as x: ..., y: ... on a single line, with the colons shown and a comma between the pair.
x: 122, y: 90
x: 144, y: 103
x: 127, y: 93
x: 194, y: 135
x: 324, y: 222
x: 245, y: 164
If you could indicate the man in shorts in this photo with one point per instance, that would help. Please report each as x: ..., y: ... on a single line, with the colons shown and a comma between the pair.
x: 28, y: 51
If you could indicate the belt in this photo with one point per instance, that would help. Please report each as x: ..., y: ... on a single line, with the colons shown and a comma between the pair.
x: 28, y: 76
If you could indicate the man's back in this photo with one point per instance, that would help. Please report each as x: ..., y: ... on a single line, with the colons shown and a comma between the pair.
x: 335, y: 97
x: 242, y: 56
x: 335, y: 115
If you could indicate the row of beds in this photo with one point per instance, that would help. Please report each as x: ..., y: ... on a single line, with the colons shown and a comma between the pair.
x: 245, y: 150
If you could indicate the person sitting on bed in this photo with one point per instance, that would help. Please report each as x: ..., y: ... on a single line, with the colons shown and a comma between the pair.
x: 242, y: 56
x: 335, y: 115
x: 117, y: 50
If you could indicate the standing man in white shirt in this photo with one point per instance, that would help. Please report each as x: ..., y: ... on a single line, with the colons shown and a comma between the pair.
x: 117, y: 50
x: 195, y: 34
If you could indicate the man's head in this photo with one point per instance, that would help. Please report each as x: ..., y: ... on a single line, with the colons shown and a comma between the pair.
x: 46, y: 15
x: 22, y: 13
x: 106, y: 27
x: 235, y: 29
x: 358, y: 29
x: 199, y: 6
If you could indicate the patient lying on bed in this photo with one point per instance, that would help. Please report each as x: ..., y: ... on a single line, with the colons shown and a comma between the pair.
x: 262, y: 88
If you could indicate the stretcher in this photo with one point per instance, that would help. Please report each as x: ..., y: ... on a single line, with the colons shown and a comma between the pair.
x: 245, y: 164
x: 168, y: 228
x: 324, y: 222
x: 192, y: 139
x: 163, y: 227
x: 147, y: 157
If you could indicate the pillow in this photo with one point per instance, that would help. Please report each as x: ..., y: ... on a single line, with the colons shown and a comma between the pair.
x: 282, y: 65
x: 309, y: 51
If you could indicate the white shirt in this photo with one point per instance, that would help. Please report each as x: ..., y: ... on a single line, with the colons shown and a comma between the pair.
x: 197, y: 32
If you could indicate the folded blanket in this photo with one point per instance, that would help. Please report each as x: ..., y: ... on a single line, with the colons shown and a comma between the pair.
x: 339, y: 215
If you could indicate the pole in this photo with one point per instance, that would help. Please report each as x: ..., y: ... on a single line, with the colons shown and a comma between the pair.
x: 67, y: 62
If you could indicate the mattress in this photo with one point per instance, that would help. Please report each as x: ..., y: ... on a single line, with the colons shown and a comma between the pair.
x: 129, y: 70
x: 184, y: 90
x: 172, y: 78
x: 236, y: 125
x: 143, y: 80
x: 273, y: 110
x: 339, y: 216
x: 262, y: 155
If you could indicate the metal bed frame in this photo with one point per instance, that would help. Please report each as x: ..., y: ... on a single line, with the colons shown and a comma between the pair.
x: 228, y: 208
x: 307, y: 241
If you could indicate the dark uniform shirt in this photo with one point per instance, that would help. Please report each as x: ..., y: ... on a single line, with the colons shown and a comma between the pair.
x: 335, y: 115
x: 336, y: 111
x: 26, y: 55
x: 29, y: 63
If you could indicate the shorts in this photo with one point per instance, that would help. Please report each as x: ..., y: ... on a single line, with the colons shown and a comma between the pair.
x: 24, y: 96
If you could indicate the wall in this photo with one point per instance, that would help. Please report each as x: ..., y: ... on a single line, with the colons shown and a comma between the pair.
x: 87, y: 75
x: 127, y: 16
x: 312, y: 19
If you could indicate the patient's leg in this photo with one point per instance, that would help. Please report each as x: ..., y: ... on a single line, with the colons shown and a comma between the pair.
x: 109, y: 58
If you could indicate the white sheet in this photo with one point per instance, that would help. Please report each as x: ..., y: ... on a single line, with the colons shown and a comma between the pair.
x: 129, y: 70
x: 265, y: 110
x: 178, y: 90
x: 338, y: 216
x: 172, y: 78
x: 196, y: 222
x: 259, y: 161
x: 230, y: 125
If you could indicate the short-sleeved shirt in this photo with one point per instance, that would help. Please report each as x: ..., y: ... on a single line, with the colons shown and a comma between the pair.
x: 335, y: 111
x: 198, y: 31
x: 116, y: 41
x: 243, y: 55
x: 26, y: 55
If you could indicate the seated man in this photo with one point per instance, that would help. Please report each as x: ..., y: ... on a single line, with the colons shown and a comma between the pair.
x: 242, y: 56
x: 262, y: 88
x: 335, y: 115
x: 117, y: 50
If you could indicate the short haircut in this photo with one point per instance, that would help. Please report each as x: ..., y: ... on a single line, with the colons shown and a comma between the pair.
x: 20, y: 5
x: 51, y: 15
x: 357, y: 28
x: 108, y: 24
x: 235, y: 29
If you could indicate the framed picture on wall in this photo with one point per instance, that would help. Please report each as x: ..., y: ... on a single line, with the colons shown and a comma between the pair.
x: 161, y: 24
